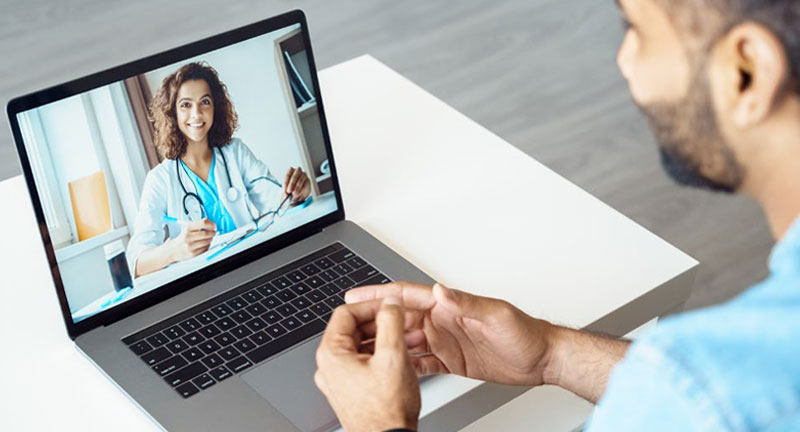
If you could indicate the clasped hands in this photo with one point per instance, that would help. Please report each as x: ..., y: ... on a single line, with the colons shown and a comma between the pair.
x: 377, y: 344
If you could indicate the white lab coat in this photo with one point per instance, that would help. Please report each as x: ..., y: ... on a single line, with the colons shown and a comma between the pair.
x: 162, y: 195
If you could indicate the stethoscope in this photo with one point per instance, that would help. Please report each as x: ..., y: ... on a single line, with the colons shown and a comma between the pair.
x: 232, y: 194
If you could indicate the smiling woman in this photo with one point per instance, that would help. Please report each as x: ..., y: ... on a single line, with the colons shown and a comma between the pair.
x: 208, y: 182
x: 169, y: 110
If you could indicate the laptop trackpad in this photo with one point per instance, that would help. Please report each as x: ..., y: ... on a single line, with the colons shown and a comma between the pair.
x: 287, y: 383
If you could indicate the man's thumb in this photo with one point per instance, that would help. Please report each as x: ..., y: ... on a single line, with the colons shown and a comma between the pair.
x: 459, y: 302
x: 390, y: 332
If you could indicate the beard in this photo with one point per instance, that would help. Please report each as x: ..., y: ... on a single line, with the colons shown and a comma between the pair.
x: 692, y: 149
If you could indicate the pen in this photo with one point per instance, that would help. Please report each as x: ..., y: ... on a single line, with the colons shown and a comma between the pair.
x: 166, y: 218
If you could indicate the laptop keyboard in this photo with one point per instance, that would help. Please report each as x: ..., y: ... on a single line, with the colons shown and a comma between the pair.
x: 225, y: 335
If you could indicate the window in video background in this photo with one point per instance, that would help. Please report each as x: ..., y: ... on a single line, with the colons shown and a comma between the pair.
x: 91, y: 155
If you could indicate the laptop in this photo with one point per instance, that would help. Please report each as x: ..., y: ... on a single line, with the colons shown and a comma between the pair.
x: 201, y: 334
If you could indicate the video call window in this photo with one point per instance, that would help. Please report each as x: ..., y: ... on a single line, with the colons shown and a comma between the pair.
x: 159, y: 175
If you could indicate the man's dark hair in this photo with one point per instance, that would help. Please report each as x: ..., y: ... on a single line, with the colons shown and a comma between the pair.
x: 702, y: 22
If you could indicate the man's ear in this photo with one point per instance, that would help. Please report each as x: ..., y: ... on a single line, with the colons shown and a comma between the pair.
x: 761, y: 72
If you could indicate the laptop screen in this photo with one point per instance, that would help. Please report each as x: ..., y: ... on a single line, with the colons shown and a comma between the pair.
x: 161, y: 174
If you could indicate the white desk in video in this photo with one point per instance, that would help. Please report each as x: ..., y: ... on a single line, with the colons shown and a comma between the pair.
x: 414, y: 174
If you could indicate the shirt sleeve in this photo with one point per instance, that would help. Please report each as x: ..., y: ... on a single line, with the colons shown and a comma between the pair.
x: 646, y: 391
x: 265, y: 193
x: 148, y: 231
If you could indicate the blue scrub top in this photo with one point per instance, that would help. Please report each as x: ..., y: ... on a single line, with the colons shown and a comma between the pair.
x: 207, y: 191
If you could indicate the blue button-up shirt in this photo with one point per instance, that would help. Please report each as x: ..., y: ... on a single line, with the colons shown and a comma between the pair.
x: 732, y: 367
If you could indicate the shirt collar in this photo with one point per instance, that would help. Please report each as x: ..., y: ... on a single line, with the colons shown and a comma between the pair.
x: 787, y: 247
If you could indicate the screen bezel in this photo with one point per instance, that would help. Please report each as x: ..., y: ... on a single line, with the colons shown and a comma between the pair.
x: 166, y: 58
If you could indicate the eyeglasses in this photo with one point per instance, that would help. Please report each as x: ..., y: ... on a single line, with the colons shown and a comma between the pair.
x: 265, y: 220
x: 262, y: 223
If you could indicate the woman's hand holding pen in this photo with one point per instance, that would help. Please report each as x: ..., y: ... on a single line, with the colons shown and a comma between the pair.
x: 297, y: 185
x: 194, y: 239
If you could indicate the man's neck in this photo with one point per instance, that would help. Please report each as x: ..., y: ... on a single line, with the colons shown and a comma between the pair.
x: 773, y: 171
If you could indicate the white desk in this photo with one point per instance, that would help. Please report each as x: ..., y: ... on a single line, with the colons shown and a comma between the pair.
x: 418, y: 175
x: 323, y: 205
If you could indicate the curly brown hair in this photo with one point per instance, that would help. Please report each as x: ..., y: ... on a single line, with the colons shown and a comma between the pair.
x: 169, y: 140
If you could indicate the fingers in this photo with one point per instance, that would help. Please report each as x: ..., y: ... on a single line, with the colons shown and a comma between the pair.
x: 428, y: 365
x: 390, y: 337
x: 287, y: 180
x: 462, y: 303
x: 295, y: 180
x: 414, y: 296
x: 202, y: 225
x: 341, y: 330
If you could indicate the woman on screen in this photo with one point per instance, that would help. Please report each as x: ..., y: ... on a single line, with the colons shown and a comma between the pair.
x: 209, y: 182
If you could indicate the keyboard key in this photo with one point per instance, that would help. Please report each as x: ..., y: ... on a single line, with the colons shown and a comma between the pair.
x: 170, y: 365
x: 174, y: 332
x: 363, y: 274
x: 220, y: 373
x: 287, y: 310
x: 177, y: 346
x: 225, y: 324
x: 342, y: 269
x: 209, y: 346
x: 190, y: 325
x: 212, y: 361
x: 260, y: 338
x: 291, y: 323
x: 205, y: 318
x: 228, y: 353
x: 310, y: 269
x: 301, y: 303
x: 236, y: 303
x: 343, y: 283
x: 281, y: 283
x: 271, y: 302
x: 141, y: 347
x: 328, y: 275
x: 300, y: 288
x: 333, y: 302
x: 203, y: 381
x: 315, y: 282
x: 209, y: 331
x: 271, y: 317
x: 295, y: 276
x: 341, y: 255
x: 187, y: 389
x: 321, y: 309
x: 265, y: 351
x: 286, y: 295
x: 315, y: 296
x: 221, y: 310
x: 329, y: 289
x: 155, y: 356
x: 255, y: 309
x: 244, y: 345
x: 185, y: 374
x: 252, y: 296
x: 192, y: 354
x: 193, y: 338
x: 324, y: 263
x: 157, y: 340
x: 378, y: 279
x: 238, y: 364
x: 356, y: 262
x: 305, y: 316
x: 256, y: 324
x: 241, y: 331
x: 241, y: 316
x: 276, y: 331
x: 266, y: 290
x: 225, y: 339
